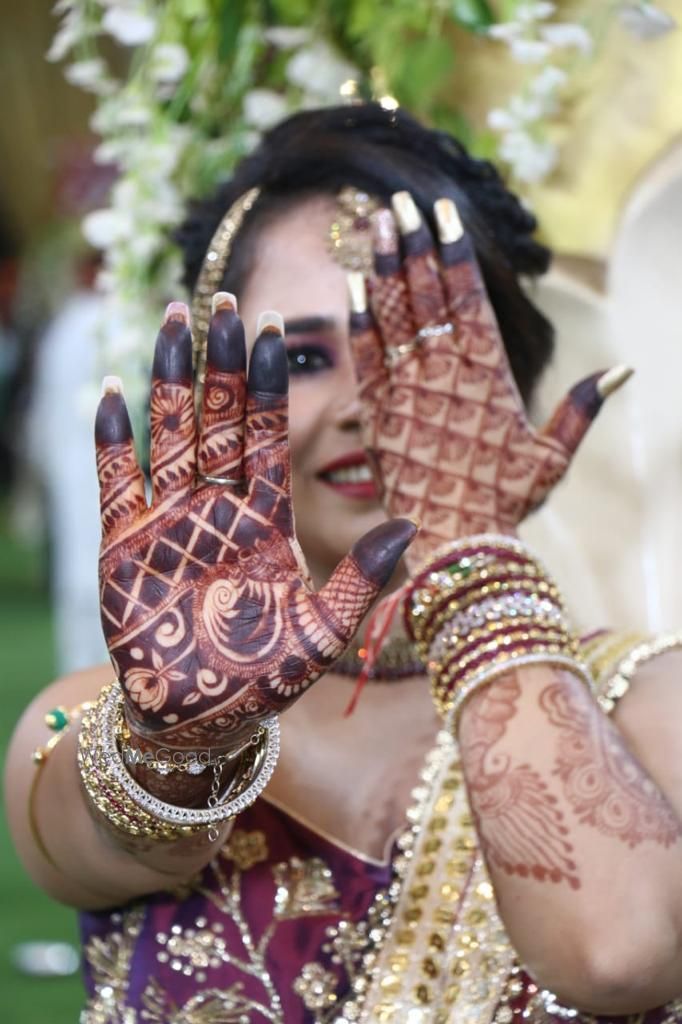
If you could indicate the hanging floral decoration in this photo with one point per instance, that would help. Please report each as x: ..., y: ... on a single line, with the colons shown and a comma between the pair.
x: 204, y: 78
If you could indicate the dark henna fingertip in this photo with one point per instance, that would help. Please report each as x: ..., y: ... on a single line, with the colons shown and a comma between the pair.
x: 173, y: 352
x: 226, y: 345
x: 453, y: 253
x: 269, y: 369
x: 112, y: 422
x: 378, y: 552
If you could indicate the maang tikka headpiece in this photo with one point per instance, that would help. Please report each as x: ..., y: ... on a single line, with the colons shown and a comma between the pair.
x: 349, y: 243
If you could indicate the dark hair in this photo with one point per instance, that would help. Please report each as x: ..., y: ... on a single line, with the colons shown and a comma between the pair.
x: 382, y: 152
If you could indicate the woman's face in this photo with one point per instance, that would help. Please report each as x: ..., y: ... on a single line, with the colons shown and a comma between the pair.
x: 335, y: 499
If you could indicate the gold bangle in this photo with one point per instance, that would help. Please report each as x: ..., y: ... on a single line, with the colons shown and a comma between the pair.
x: 61, y: 720
x: 614, y: 682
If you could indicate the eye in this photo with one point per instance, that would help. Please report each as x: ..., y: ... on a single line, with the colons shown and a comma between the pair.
x: 308, y: 359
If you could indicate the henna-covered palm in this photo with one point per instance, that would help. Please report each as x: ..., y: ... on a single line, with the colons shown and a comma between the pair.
x: 207, y: 606
x: 443, y: 420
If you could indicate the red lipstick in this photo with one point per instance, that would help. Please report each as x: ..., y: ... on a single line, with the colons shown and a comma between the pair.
x: 350, y: 476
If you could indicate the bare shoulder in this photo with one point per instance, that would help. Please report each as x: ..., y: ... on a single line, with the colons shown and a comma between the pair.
x: 649, y: 717
x: 66, y: 691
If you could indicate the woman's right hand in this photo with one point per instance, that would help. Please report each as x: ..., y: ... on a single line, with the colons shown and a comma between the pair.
x: 207, y: 606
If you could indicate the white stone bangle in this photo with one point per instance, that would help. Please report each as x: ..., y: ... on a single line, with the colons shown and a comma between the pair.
x: 172, y: 813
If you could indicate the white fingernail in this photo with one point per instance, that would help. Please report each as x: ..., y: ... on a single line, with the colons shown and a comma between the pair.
x: 223, y: 300
x: 406, y: 212
x: 357, y: 291
x: 447, y: 221
x: 613, y: 379
x: 270, y: 320
x: 111, y: 385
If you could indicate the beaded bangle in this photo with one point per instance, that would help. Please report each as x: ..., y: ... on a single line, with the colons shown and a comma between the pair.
x: 130, y: 808
x: 483, y: 605
x: 620, y: 658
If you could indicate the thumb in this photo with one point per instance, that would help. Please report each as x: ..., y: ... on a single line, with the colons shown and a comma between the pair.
x: 360, y: 576
x: 576, y: 413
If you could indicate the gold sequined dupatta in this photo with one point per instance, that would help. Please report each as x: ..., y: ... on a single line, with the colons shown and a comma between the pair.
x: 443, y: 954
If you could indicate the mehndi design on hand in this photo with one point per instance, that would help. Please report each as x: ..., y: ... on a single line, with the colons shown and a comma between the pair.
x: 207, y: 606
x: 443, y: 421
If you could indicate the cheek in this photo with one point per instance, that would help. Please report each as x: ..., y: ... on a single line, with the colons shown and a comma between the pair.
x: 306, y: 413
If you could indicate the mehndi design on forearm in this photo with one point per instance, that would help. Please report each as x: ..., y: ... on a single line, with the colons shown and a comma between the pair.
x: 207, y: 607
x: 443, y: 420
x: 602, y: 782
x: 519, y: 821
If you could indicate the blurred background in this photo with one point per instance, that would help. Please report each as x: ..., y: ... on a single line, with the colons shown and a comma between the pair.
x: 580, y: 105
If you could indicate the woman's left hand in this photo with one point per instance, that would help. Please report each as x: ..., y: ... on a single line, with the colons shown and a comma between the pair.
x: 443, y: 421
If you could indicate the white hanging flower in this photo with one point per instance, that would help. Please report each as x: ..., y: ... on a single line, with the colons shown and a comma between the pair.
x: 548, y: 81
x: 528, y: 14
x: 505, y: 31
x: 319, y: 70
x: 566, y: 35
x: 530, y: 159
x: 90, y: 75
x: 129, y: 26
x: 168, y: 63
x: 529, y: 51
x: 646, y: 21
x: 287, y: 37
x: 263, y: 108
x: 103, y: 228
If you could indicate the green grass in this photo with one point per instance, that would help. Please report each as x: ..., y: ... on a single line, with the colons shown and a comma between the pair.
x: 26, y: 665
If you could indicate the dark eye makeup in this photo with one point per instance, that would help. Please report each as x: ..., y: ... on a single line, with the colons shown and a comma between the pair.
x: 309, y: 357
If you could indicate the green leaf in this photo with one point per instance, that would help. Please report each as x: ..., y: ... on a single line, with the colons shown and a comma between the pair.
x: 476, y: 15
x: 424, y: 68
x: 231, y: 18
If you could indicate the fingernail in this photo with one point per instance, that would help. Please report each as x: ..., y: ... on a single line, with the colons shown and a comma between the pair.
x: 225, y: 345
x: 407, y: 214
x: 447, y: 221
x: 378, y: 552
x: 177, y: 311
x: 112, y: 423
x: 111, y: 385
x: 613, y: 379
x: 223, y: 300
x: 270, y: 320
x: 357, y: 291
x: 384, y: 232
x: 269, y: 368
x: 173, y: 351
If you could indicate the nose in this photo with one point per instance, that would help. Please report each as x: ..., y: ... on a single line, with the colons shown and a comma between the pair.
x: 346, y: 409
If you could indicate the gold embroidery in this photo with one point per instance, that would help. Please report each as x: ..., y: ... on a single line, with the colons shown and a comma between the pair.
x: 246, y: 848
x: 110, y: 959
x: 304, y: 887
x: 316, y: 987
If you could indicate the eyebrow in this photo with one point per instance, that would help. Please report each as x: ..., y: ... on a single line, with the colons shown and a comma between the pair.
x: 309, y: 324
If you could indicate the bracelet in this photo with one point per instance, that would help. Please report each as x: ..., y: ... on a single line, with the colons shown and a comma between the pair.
x: 484, y: 605
x: 614, y: 661
x: 59, y: 719
x: 191, y: 763
x: 126, y: 805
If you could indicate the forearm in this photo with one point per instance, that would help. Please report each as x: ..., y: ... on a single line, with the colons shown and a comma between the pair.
x: 584, y: 849
x: 69, y: 851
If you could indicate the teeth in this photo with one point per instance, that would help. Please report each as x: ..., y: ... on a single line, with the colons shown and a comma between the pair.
x: 351, y: 475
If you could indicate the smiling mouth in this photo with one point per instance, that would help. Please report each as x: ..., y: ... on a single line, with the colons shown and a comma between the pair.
x: 353, y: 479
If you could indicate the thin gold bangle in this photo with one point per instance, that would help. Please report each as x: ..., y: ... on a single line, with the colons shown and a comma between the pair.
x: 39, y: 757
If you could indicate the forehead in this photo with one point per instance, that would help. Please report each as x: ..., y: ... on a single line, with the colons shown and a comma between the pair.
x: 293, y: 270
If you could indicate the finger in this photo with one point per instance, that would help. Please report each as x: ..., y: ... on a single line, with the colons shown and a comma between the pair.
x: 576, y: 413
x: 368, y: 353
x: 390, y: 300
x: 121, y: 482
x: 475, y: 324
x: 266, y: 452
x: 361, y: 575
x: 173, y: 432
x: 426, y: 294
x: 221, y: 437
